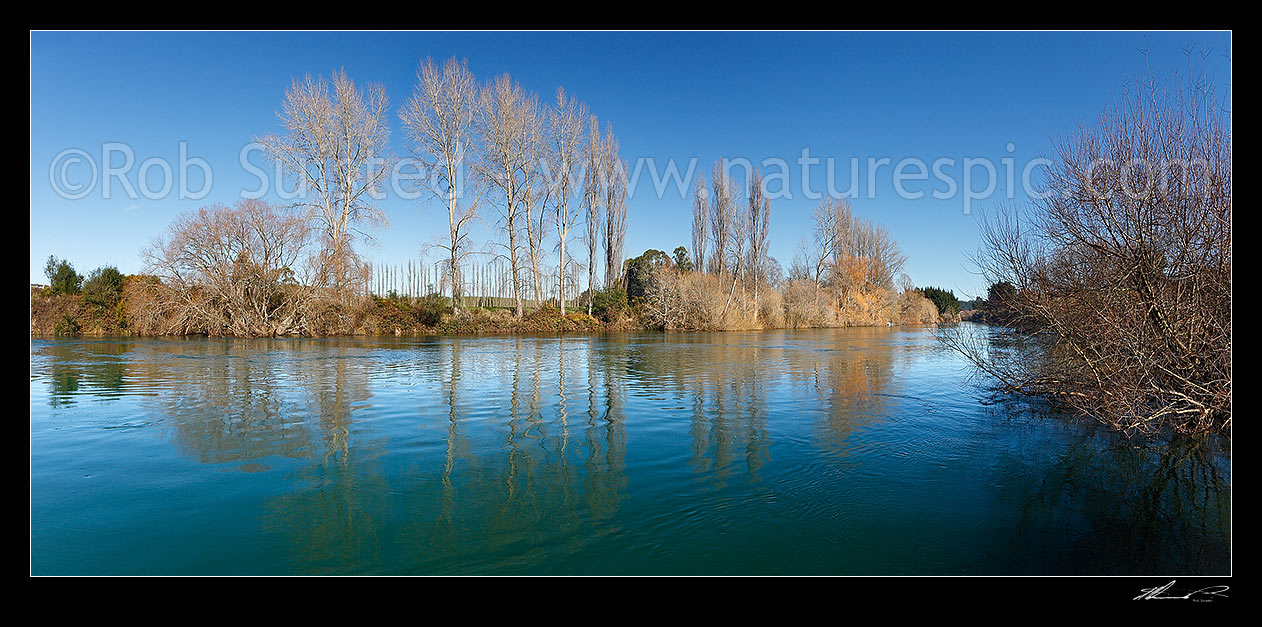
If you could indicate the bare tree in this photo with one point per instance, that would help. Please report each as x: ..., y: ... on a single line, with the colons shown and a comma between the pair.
x: 758, y: 223
x: 337, y: 145
x: 700, y: 222
x: 439, y: 120
x: 616, y: 183
x: 505, y: 121
x: 723, y: 216
x: 536, y: 196
x: 593, y: 201
x: 905, y: 284
x: 242, y: 271
x: 882, y: 259
x: 830, y: 232
x: 566, y: 121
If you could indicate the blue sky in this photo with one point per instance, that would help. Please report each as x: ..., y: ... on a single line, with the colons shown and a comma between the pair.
x: 684, y: 96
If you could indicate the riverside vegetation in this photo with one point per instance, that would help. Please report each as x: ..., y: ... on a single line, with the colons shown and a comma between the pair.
x: 1114, y: 285
x: 544, y: 174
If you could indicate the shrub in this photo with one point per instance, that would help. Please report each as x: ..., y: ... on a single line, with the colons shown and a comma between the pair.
x: 254, y: 270
x: 430, y: 309
x: 807, y: 306
x: 1122, y: 278
x: 104, y: 287
x: 695, y: 301
x: 914, y: 308
x: 870, y: 308
x: 771, y: 309
x: 67, y: 325
x: 610, y: 303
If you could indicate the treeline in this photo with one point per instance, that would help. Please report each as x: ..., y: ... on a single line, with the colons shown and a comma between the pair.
x: 544, y: 173
x: 944, y: 299
x: 554, y: 186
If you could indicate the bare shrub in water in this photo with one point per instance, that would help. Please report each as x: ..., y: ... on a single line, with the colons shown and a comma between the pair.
x: 1122, y: 271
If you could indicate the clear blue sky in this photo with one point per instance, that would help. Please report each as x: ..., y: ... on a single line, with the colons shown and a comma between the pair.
x: 668, y: 95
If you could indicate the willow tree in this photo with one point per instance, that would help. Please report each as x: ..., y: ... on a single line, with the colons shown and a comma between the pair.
x: 439, y: 121
x: 566, y: 151
x: 336, y: 143
x: 866, y: 259
x: 237, y: 271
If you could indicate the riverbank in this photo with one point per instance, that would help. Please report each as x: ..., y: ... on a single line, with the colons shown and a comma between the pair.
x: 68, y: 315
x: 54, y: 315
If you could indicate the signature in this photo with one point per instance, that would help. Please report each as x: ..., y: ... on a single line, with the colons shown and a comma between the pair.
x: 1204, y: 594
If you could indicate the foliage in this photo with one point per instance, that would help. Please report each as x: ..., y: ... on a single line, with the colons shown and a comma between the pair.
x: 429, y: 310
x: 914, y: 308
x: 806, y: 306
x: 251, y: 270
x: 696, y: 301
x: 998, y: 306
x: 610, y: 303
x: 639, y: 272
x: 62, y: 278
x: 104, y: 287
x: 682, y: 261
x: 944, y: 299
x: 66, y: 325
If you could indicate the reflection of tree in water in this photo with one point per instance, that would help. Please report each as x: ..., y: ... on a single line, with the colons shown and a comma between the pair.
x: 523, y: 488
x: 96, y: 366
x: 333, y: 526
x: 223, y: 403
x: 1108, y: 506
x: 606, y: 435
x: 542, y: 491
x: 847, y: 374
x: 849, y: 386
x: 451, y: 386
x: 722, y: 377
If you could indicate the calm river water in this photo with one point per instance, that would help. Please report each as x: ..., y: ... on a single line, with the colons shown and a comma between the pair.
x: 841, y: 451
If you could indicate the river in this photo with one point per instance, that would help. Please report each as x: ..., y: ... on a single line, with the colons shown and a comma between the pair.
x: 834, y: 451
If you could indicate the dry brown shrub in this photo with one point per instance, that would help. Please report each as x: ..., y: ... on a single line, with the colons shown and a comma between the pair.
x: 914, y: 308
x: 1122, y: 270
x: 807, y: 306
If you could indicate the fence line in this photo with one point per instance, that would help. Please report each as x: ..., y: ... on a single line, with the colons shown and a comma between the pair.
x: 486, y: 284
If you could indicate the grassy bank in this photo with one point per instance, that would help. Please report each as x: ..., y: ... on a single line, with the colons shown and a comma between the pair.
x: 68, y: 315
